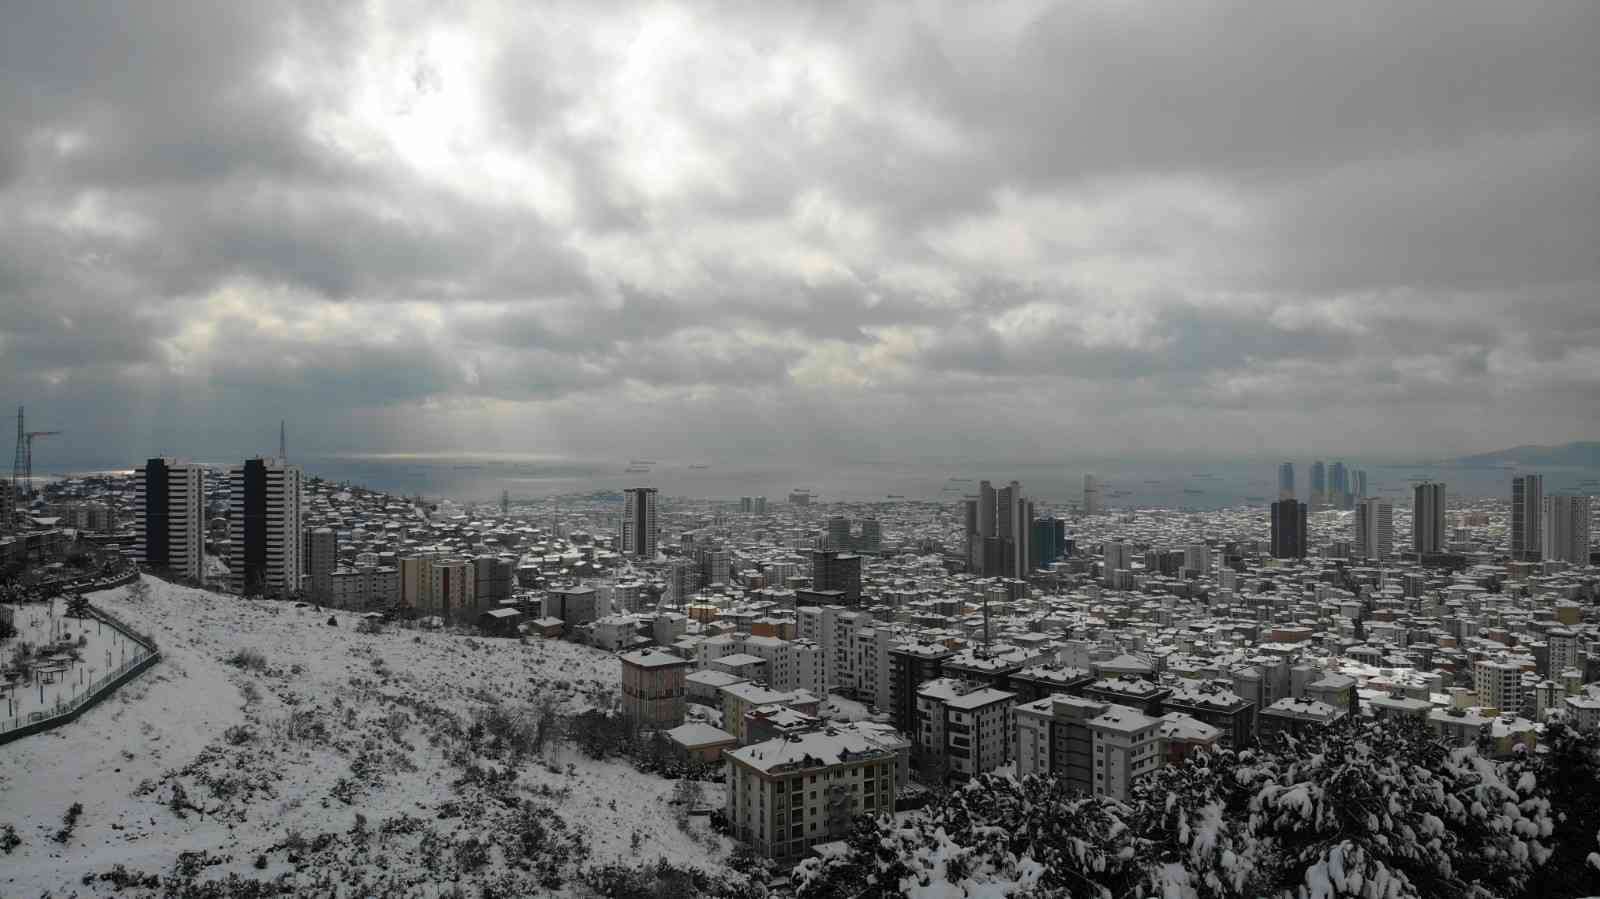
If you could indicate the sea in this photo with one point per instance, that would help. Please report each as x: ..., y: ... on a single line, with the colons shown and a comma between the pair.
x: 1124, y: 484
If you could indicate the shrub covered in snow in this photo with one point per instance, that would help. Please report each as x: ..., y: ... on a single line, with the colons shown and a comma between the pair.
x: 1377, y: 810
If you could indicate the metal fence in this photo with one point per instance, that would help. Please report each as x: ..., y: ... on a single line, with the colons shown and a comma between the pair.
x: 103, y: 686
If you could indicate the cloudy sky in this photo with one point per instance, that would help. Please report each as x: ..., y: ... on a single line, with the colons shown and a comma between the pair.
x: 1021, y: 231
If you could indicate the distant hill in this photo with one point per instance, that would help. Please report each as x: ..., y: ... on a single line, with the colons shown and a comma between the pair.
x: 1583, y: 454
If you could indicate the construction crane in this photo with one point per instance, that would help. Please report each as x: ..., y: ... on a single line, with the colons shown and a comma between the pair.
x: 22, y: 464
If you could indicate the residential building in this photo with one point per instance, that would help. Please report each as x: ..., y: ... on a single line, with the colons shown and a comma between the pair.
x: 1373, y: 530
x: 785, y: 796
x: 322, y: 559
x: 264, y: 538
x: 1126, y: 747
x: 640, y: 533
x: 833, y: 570
x: 1566, y: 529
x: 169, y: 511
x: 979, y: 728
x: 1527, y: 517
x: 1289, y: 529
x: 653, y: 690
x: 1427, y: 518
x: 1053, y: 737
x: 1498, y: 684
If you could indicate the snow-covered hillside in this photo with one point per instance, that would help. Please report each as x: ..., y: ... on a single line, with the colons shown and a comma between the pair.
x: 274, y: 746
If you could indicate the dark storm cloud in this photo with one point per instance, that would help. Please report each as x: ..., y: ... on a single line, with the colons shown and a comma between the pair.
x: 850, y: 225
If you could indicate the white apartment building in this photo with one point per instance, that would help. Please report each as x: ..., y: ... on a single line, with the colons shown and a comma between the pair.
x: 169, y: 508
x: 1126, y: 747
x: 264, y: 537
x: 364, y: 587
x: 1566, y: 529
x: 1372, y: 535
x: 1498, y: 684
x: 789, y: 794
x: 979, y: 728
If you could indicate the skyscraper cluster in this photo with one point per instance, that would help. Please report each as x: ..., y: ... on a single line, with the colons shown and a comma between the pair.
x: 1332, y: 487
x: 998, y: 531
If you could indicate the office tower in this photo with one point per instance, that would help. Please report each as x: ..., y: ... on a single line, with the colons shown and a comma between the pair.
x: 1043, y: 542
x: 640, y: 532
x: 1197, y: 557
x: 1427, y: 518
x: 1373, y: 536
x: 1063, y: 545
x: 871, y: 536
x: 761, y: 505
x: 8, y: 506
x: 1115, y: 556
x: 1339, y: 486
x: 1318, y: 498
x: 974, y: 537
x: 264, y: 540
x: 1360, y: 479
x: 986, y: 506
x: 1016, y: 518
x: 832, y: 570
x: 1093, y: 502
x: 169, y: 508
x: 322, y: 557
x: 1566, y: 529
x: 1288, y: 529
x: 1286, y: 480
x: 747, y: 504
x: 839, y: 532
x: 1527, y: 514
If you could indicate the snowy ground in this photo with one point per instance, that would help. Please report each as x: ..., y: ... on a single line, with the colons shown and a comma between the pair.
x: 46, y: 628
x: 337, y: 752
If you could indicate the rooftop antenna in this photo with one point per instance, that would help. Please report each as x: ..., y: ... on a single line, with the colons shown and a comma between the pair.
x: 283, y: 441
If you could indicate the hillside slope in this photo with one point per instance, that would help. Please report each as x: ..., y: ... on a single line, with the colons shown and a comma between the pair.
x: 270, y: 745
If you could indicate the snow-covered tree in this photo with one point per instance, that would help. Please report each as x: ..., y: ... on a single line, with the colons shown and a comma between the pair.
x: 1380, y: 810
x: 995, y: 836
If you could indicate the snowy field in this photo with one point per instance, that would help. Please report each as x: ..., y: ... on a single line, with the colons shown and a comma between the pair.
x: 270, y: 745
x: 62, y: 668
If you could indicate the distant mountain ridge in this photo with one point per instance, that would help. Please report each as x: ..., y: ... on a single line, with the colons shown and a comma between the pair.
x: 1580, y: 454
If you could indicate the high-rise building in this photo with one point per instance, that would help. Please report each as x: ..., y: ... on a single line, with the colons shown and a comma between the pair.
x: 322, y: 557
x: 1339, y: 486
x: 986, y: 507
x: 264, y: 541
x: 1318, y: 498
x: 871, y: 536
x: 1358, y: 480
x: 1093, y: 502
x: 1566, y: 529
x: 839, y: 533
x: 1014, y: 516
x: 1427, y: 518
x: 1286, y: 480
x: 169, y: 508
x: 8, y: 506
x: 1288, y: 529
x: 640, y: 533
x: 1373, y: 529
x: 760, y: 505
x: 831, y: 570
x: 1043, y: 541
x: 1527, y: 517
